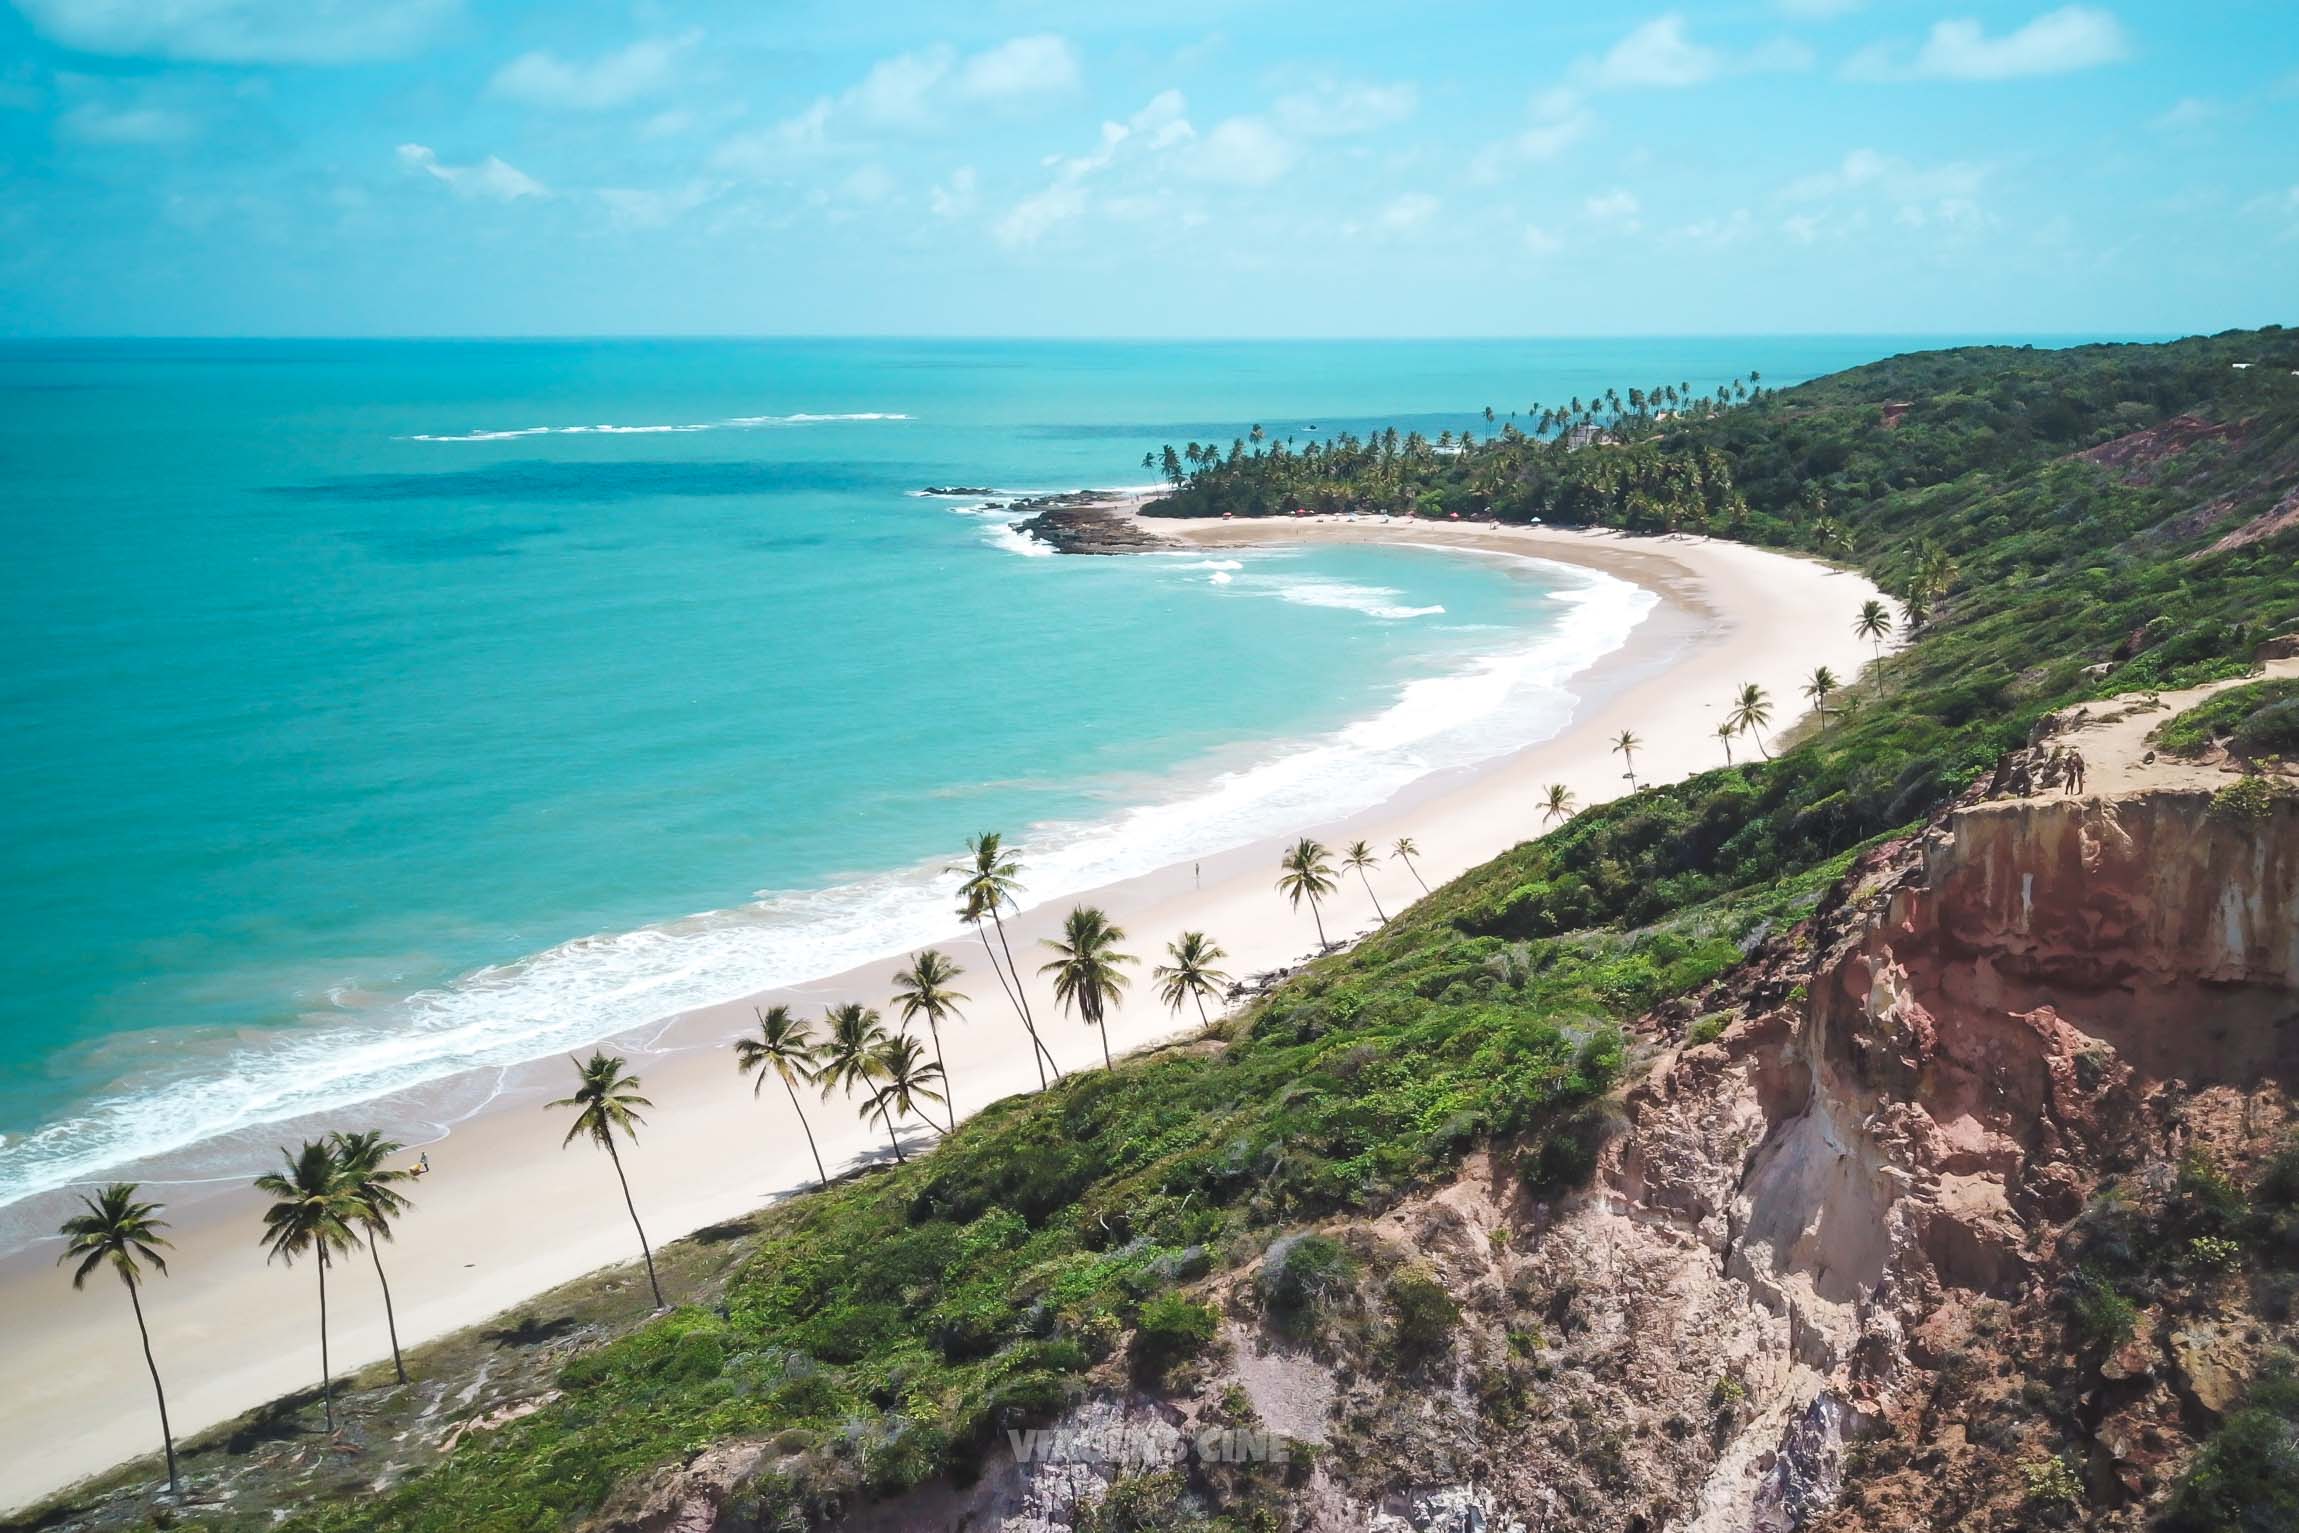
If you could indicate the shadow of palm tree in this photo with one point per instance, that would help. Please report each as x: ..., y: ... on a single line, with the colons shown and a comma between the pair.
x: 279, y: 1421
x: 529, y: 1331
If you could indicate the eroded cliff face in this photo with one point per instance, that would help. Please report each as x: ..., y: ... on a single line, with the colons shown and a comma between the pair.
x: 1918, y: 1091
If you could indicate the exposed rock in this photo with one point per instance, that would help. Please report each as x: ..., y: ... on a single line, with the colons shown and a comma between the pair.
x: 687, y: 1498
x: 2137, y: 457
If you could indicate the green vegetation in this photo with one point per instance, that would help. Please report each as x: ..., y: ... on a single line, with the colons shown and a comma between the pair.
x: 2246, y: 1479
x: 2261, y: 719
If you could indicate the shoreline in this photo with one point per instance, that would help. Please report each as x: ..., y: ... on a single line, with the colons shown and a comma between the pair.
x: 505, y: 1215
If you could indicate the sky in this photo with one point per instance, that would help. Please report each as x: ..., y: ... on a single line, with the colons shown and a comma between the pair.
x: 1177, y: 169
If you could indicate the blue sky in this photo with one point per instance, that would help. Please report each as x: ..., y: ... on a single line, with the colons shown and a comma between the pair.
x: 498, y: 167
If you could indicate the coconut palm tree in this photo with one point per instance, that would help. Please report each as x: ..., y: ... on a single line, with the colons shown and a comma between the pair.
x: 1191, y: 975
x: 1724, y: 733
x: 847, y: 1056
x: 784, y: 1048
x: 364, y: 1161
x: 1626, y: 746
x: 123, y: 1233
x: 606, y: 1103
x: 1405, y: 851
x: 1304, y: 874
x: 1360, y: 856
x: 923, y: 990
x: 1874, y: 624
x: 1751, y: 711
x: 992, y: 880
x: 903, y: 1077
x: 1818, y: 689
x: 1085, y: 968
x: 1557, y: 804
x: 312, y: 1213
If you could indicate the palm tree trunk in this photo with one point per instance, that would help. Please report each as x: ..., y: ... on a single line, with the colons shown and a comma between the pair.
x: 1202, y: 1022
x: 1375, y: 898
x: 644, y: 1249
x: 1760, y: 742
x: 892, y: 1138
x: 1417, y: 878
x: 1037, y: 1050
x: 820, y: 1175
x: 1320, y: 920
x: 1102, y: 1023
x: 1022, y: 995
x: 1879, y: 667
x: 167, y: 1433
x: 390, y: 1321
x: 950, y: 1100
x: 326, y: 1375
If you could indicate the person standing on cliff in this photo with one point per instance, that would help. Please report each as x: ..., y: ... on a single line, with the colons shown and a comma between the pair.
x: 2074, y: 768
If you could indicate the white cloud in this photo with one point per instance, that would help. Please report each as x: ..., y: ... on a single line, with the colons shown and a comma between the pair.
x: 1618, y: 206
x: 898, y: 91
x: 772, y: 150
x: 490, y: 179
x: 1817, y: 10
x: 1043, y: 64
x: 955, y: 197
x: 2188, y: 113
x: 1659, y: 53
x: 1803, y: 228
x: 1161, y: 125
x: 1334, y: 111
x: 241, y: 31
x: 1029, y: 220
x: 867, y: 184
x: 1408, y: 212
x: 1559, y: 122
x: 93, y: 122
x: 544, y: 79
x: 2059, y: 42
x: 1717, y: 232
x: 1540, y: 241
x: 1241, y: 151
x: 651, y: 208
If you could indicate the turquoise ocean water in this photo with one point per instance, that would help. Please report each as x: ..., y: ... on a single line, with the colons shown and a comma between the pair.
x: 378, y: 709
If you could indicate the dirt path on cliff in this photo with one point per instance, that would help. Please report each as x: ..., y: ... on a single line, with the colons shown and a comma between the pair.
x: 2113, y: 735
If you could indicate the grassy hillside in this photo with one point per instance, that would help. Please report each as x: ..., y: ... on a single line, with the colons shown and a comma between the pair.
x: 889, y: 1330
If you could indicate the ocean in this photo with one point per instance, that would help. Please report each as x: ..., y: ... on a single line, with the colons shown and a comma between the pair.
x: 379, y: 709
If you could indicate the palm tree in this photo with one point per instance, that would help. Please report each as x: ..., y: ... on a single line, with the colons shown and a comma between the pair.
x: 1305, y: 875
x: 312, y: 1212
x: 847, y: 1058
x: 1360, y: 856
x: 905, y: 1077
x: 1085, y: 968
x: 1626, y: 747
x: 1875, y: 624
x: 1818, y: 689
x: 1557, y: 804
x: 1191, y: 975
x: 1724, y: 733
x: 923, y: 990
x: 784, y: 1048
x: 992, y: 880
x: 606, y: 1102
x: 1405, y: 851
x: 1751, y: 711
x: 123, y: 1233
x: 362, y: 1160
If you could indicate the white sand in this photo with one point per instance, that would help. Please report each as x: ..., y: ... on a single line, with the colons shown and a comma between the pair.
x: 505, y: 1214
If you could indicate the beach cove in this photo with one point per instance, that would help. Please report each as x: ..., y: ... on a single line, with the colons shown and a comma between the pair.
x: 505, y: 1214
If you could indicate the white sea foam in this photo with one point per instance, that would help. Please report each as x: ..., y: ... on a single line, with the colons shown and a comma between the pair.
x: 732, y: 423
x: 582, y: 991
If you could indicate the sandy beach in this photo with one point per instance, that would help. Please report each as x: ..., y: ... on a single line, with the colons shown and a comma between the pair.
x: 505, y: 1213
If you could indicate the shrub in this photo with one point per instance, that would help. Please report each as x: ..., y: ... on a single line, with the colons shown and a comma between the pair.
x: 2102, y: 1317
x: 1173, y: 1330
x: 1423, y: 1312
x: 2248, y: 802
x: 1303, y: 1274
x: 2051, y: 1481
